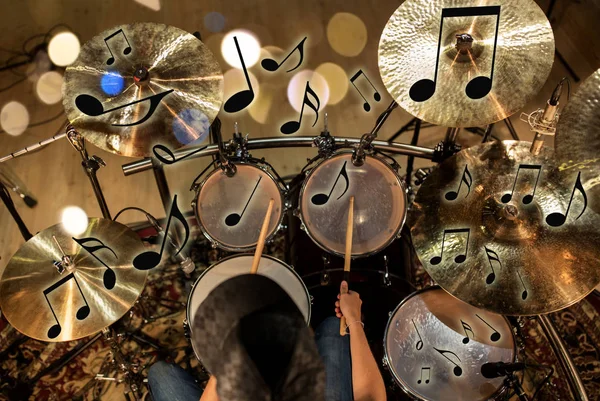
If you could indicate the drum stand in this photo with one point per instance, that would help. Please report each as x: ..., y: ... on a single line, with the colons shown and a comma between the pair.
x: 511, y: 381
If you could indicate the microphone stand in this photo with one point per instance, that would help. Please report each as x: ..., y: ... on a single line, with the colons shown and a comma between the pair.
x: 4, y: 194
x: 511, y: 380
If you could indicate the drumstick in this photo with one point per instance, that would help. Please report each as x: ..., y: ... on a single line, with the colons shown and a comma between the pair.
x: 261, y: 238
x: 347, y: 258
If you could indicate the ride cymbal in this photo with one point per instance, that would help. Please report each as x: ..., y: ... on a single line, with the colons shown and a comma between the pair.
x: 507, y: 231
x: 138, y: 85
x: 88, y: 296
x: 494, y: 56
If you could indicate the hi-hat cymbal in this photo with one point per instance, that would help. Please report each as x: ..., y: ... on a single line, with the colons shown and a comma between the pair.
x: 46, y: 305
x: 455, y: 92
x: 489, y: 227
x: 138, y: 85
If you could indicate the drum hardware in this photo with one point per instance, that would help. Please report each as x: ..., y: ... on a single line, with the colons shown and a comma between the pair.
x: 325, y: 142
x: 223, y: 162
x: 14, y: 183
x: 10, y: 206
x: 365, y: 144
x: 511, y: 381
x: 386, y: 277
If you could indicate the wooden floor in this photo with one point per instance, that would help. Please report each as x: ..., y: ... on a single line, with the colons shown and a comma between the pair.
x: 54, y: 174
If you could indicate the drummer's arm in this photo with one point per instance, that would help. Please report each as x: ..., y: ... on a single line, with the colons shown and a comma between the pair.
x: 210, y: 391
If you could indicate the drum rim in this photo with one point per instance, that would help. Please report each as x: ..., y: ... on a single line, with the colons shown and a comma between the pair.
x: 394, y: 236
x: 216, y: 242
x: 187, y: 307
x: 387, y: 359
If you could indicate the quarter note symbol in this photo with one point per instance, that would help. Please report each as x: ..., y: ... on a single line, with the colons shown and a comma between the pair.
x: 557, y: 219
x: 82, y: 312
x: 495, y: 335
x: 492, y: 257
x: 240, y: 100
x: 109, y: 278
x: 321, y: 199
x: 477, y: 87
x: 467, y: 179
x: 460, y: 257
x: 420, y: 342
x: 529, y: 197
x: 376, y: 95
x: 271, y: 65
x: 457, y: 369
x: 292, y: 126
x: 150, y: 259
x: 467, y: 328
x: 234, y: 218
x: 428, y: 376
x: 524, y: 293
x: 126, y: 51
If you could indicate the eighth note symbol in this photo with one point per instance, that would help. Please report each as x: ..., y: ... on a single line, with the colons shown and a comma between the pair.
x: 376, y: 95
x: 271, y: 65
x: 457, y: 369
x: 557, y: 219
x: 321, y: 199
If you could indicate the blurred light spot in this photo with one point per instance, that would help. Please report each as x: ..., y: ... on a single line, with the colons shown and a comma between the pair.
x: 347, y: 34
x: 249, y: 46
x: 309, y: 25
x: 74, y: 220
x: 337, y: 81
x: 259, y: 109
x: 214, y: 21
x: 235, y: 81
x: 49, y: 87
x: 192, y: 125
x: 41, y: 64
x: 297, y: 86
x: 14, y: 118
x: 151, y: 4
x: 112, y: 83
x: 63, y: 49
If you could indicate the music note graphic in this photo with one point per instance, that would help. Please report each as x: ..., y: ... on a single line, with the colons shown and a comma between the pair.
x: 168, y: 151
x: 492, y: 257
x: 109, y: 278
x: 321, y: 199
x: 467, y: 179
x: 524, y: 293
x: 271, y: 65
x: 467, y: 328
x: 92, y: 107
x: 240, y: 100
x: 459, y: 258
x: 376, y: 95
x: 419, y: 345
x: 150, y: 259
x: 477, y: 87
x: 234, y: 218
x: 126, y: 51
x: 428, y: 369
x: 495, y: 335
x: 529, y: 197
x: 292, y: 126
x: 457, y: 369
x: 82, y: 312
x: 558, y: 219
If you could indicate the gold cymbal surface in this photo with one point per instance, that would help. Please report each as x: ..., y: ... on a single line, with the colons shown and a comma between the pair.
x: 507, y: 231
x: 138, y: 85
x: 88, y: 296
x: 509, y: 41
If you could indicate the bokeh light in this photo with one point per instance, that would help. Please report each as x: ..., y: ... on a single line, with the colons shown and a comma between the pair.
x: 347, y: 34
x: 297, y: 86
x: 63, y: 49
x: 261, y: 106
x: 112, y: 83
x: 49, y: 87
x: 249, y: 46
x: 14, y: 118
x: 40, y: 65
x: 337, y: 81
x: 74, y: 220
x: 214, y: 22
x: 235, y: 81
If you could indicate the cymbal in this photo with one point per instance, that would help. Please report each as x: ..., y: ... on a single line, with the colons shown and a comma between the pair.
x: 456, y: 92
x: 138, y: 85
x: 510, y: 254
x: 43, y: 304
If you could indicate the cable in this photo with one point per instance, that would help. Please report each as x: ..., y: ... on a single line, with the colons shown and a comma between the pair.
x: 37, y: 124
x: 543, y: 382
x: 18, y: 81
x: 139, y: 209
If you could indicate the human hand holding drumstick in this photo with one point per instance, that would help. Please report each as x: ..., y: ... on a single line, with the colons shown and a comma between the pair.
x: 261, y: 238
x: 347, y: 259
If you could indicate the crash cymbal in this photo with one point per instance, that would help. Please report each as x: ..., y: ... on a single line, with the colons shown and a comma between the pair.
x: 137, y: 85
x: 46, y: 305
x: 456, y: 92
x: 510, y: 254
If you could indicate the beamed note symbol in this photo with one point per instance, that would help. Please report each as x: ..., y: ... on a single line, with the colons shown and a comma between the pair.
x: 467, y: 180
x: 240, y: 100
x: 527, y: 199
x: 271, y: 65
x: 109, y: 278
x: 82, y: 313
x: 461, y: 257
x: 126, y: 50
x: 293, y: 126
x: 557, y: 219
x: 477, y: 87
x: 428, y: 370
x: 321, y: 198
x: 376, y: 95
x: 234, y: 218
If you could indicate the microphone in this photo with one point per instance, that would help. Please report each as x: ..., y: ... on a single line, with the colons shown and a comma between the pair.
x: 185, y: 262
x: 491, y: 370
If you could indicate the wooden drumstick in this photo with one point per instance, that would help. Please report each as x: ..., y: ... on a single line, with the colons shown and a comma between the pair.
x: 261, y: 238
x: 347, y: 259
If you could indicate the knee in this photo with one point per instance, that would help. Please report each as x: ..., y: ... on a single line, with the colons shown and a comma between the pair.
x: 329, y: 327
x: 158, y: 371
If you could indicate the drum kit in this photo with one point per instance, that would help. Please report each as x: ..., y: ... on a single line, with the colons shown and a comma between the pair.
x: 503, y: 228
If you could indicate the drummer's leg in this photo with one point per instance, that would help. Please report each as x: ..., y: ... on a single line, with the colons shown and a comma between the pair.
x: 170, y: 382
x: 335, y: 353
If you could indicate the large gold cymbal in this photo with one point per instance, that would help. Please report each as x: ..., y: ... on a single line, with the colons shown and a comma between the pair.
x: 517, y: 258
x: 170, y: 68
x: 31, y: 282
x: 523, y: 59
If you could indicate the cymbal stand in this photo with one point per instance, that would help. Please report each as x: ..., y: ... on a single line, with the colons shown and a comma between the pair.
x: 365, y: 144
x: 5, y: 196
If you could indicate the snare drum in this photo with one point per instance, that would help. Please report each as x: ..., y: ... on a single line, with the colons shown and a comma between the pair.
x: 379, y: 204
x: 435, y: 346
x: 230, y: 210
x: 237, y: 265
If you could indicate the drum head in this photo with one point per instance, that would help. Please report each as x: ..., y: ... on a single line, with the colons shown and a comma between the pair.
x: 221, y: 202
x: 435, y: 346
x: 379, y: 204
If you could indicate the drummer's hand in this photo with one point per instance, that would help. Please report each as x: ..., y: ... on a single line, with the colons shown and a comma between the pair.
x: 350, y: 304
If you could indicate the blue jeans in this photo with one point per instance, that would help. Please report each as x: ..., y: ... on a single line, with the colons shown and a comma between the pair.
x: 170, y: 382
